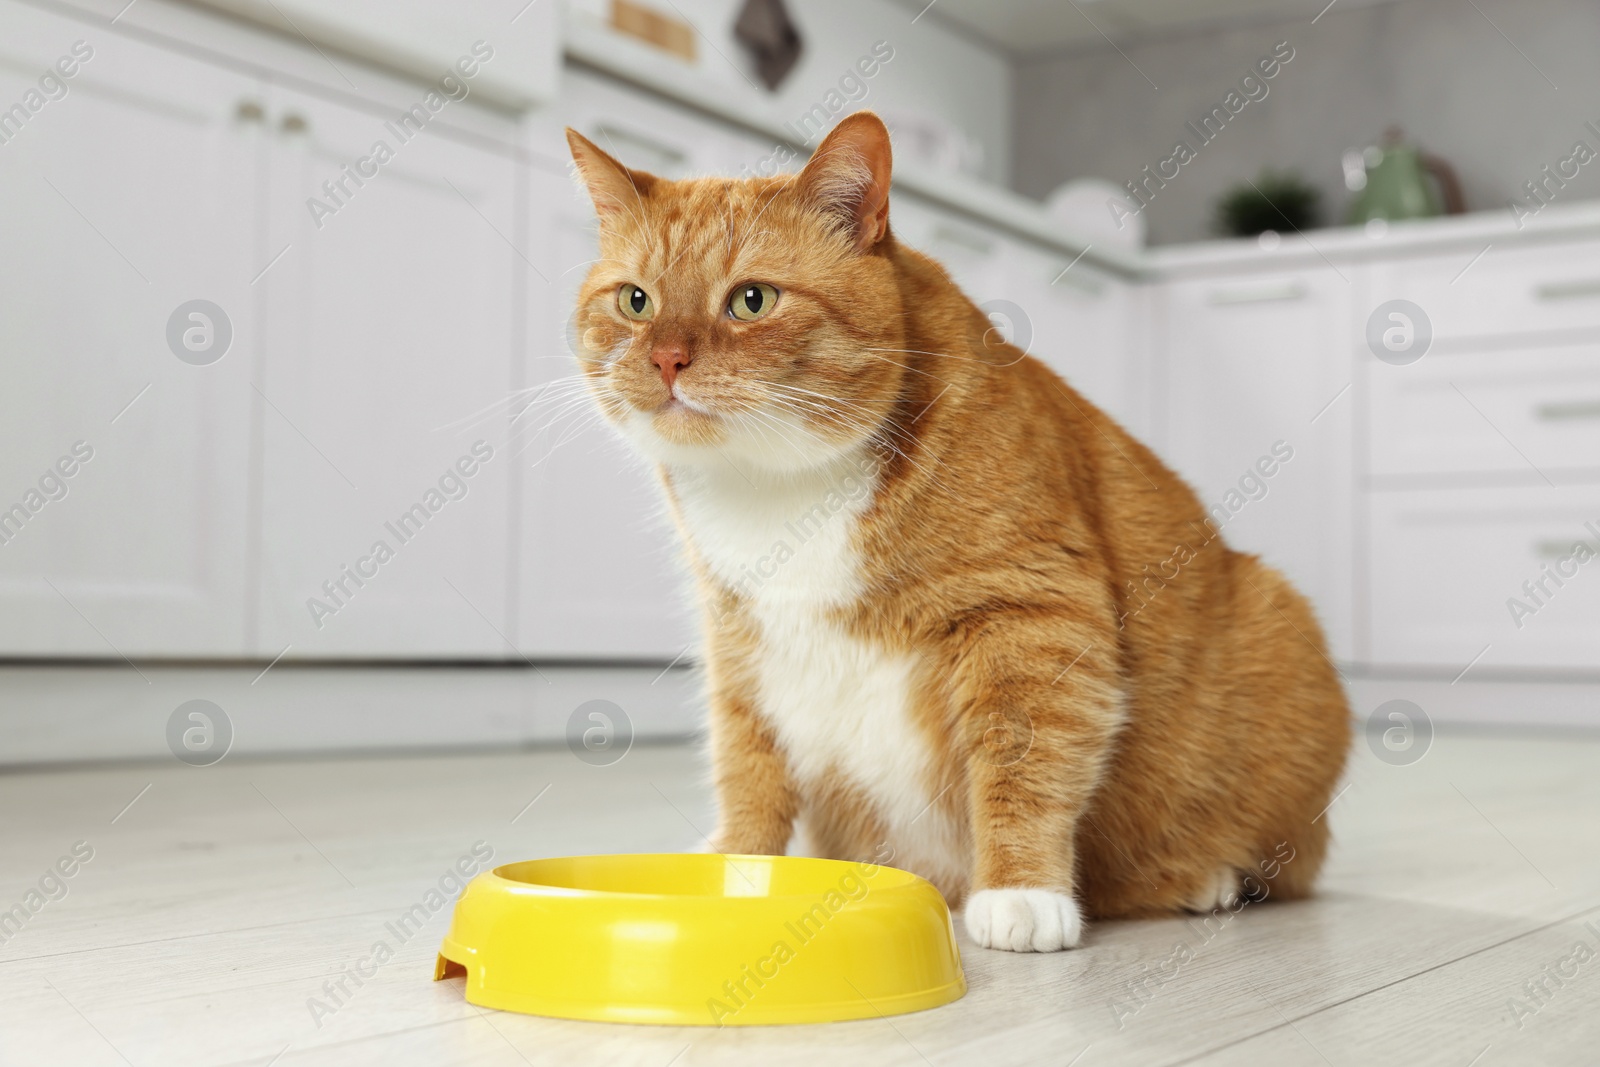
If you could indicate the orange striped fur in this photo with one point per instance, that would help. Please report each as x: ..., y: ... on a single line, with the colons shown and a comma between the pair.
x: 953, y: 613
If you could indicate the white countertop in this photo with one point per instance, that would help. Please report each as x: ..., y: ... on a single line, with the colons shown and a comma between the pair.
x: 1470, y: 233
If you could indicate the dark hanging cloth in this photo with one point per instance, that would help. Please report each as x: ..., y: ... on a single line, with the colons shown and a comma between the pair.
x: 765, y: 28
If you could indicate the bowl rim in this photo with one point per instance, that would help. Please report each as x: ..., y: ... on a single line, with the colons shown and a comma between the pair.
x: 905, y: 881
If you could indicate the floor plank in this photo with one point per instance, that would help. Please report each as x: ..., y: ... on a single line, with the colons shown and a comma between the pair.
x: 219, y: 903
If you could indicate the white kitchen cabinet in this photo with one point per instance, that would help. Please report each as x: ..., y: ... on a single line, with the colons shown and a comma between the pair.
x: 1519, y: 411
x: 1491, y: 578
x: 426, y: 39
x: 386, y: 357
x: 1256, y: 368
x: 1483, y: 457
x: 1543, y: 288
x: 124, y: 199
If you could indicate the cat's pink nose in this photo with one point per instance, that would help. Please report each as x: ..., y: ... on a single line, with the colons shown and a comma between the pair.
x: 670, y: 359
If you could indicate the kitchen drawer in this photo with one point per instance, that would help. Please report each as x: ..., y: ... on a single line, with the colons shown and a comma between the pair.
x: 1509, y: 410
x: 647, y: 132
x: 1445, y: 563
x: 1509, y: 291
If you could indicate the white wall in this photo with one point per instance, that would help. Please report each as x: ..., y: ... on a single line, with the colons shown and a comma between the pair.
x: 1436, y: 67
x: 934, y: 72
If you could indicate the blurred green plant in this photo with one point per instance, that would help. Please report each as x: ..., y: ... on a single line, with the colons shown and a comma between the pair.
x: 1276, y: 200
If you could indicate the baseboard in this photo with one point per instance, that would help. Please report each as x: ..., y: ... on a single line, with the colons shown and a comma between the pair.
x: 1481, y: 702
x: 53, y: 713
x: 78, y: 713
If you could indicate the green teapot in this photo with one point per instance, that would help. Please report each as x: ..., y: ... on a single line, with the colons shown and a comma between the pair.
x: 1392, y: 181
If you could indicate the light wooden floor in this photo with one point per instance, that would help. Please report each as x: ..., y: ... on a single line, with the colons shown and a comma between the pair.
x: 217, y: 904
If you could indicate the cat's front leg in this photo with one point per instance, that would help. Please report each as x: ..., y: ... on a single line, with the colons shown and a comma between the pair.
x: 756, y: 797
x: 1038, y: 734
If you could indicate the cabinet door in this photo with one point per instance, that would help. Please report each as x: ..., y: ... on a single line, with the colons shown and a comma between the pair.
x: 1499, y: 578
x: 1253, y: 365
x: 387, y: 361
x: 125, y: 199
x: 1459, y: 413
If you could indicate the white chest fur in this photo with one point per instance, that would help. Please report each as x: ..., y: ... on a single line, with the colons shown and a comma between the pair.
x: 839, y: 705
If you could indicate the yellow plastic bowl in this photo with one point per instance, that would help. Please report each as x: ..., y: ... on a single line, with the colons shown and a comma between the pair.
x: 703, y: 940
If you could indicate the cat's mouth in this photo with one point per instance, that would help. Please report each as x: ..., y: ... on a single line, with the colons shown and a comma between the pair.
x: 684, y: 420
x: 674, y: 404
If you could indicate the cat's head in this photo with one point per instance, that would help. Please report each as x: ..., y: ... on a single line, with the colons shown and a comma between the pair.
x: 737, y: 320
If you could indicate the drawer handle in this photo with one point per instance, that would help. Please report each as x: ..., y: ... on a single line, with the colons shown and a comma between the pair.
x: 1568, y: 290
x: 1556, y: 549
x: 1575, y: 409
x: 1259, y: 294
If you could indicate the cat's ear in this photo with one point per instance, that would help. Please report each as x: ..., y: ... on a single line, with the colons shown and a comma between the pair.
x: 613, y: 188
x: 848, y: 178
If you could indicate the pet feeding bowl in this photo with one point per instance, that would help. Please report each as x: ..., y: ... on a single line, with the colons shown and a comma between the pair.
x: 702, y: 940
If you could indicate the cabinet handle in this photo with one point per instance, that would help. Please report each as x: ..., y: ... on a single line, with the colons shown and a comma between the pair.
x: 1567, y: 290
x: 1265, y: 293
x: 294, y: 122
x: 249, y: 111
x: 1573, y: 409
x: 1084, y: 282
x: 1554, y: 548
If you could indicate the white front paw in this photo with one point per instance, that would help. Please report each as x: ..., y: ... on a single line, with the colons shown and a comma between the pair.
x: 1024, y: 920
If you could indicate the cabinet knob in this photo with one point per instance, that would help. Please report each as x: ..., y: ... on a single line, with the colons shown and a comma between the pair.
x: 294, y: 122
x: 1263, y: 293
x: 249, y: 111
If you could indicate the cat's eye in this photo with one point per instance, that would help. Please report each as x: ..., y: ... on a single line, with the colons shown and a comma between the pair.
x: 751, y: 302
x: 635, y: 303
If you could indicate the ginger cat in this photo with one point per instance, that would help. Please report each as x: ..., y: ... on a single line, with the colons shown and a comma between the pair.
x: 931, y: 625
